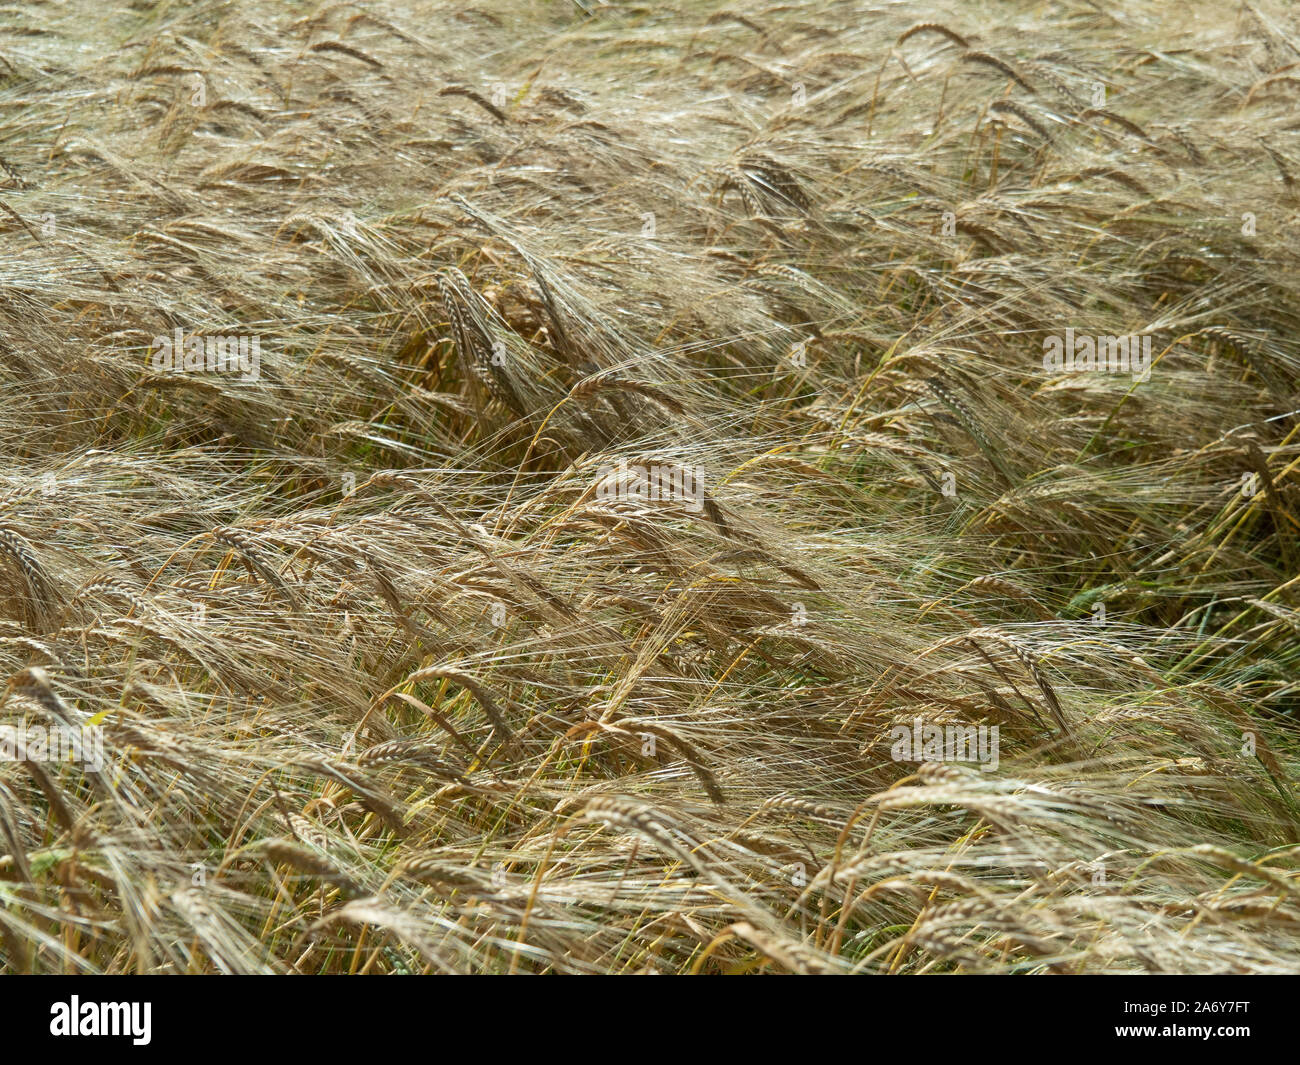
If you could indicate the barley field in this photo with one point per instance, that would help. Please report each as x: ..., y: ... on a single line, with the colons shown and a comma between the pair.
x: 693, y: 487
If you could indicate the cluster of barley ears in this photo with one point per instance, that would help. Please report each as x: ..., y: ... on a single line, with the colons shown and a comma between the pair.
x: 388, y: 686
